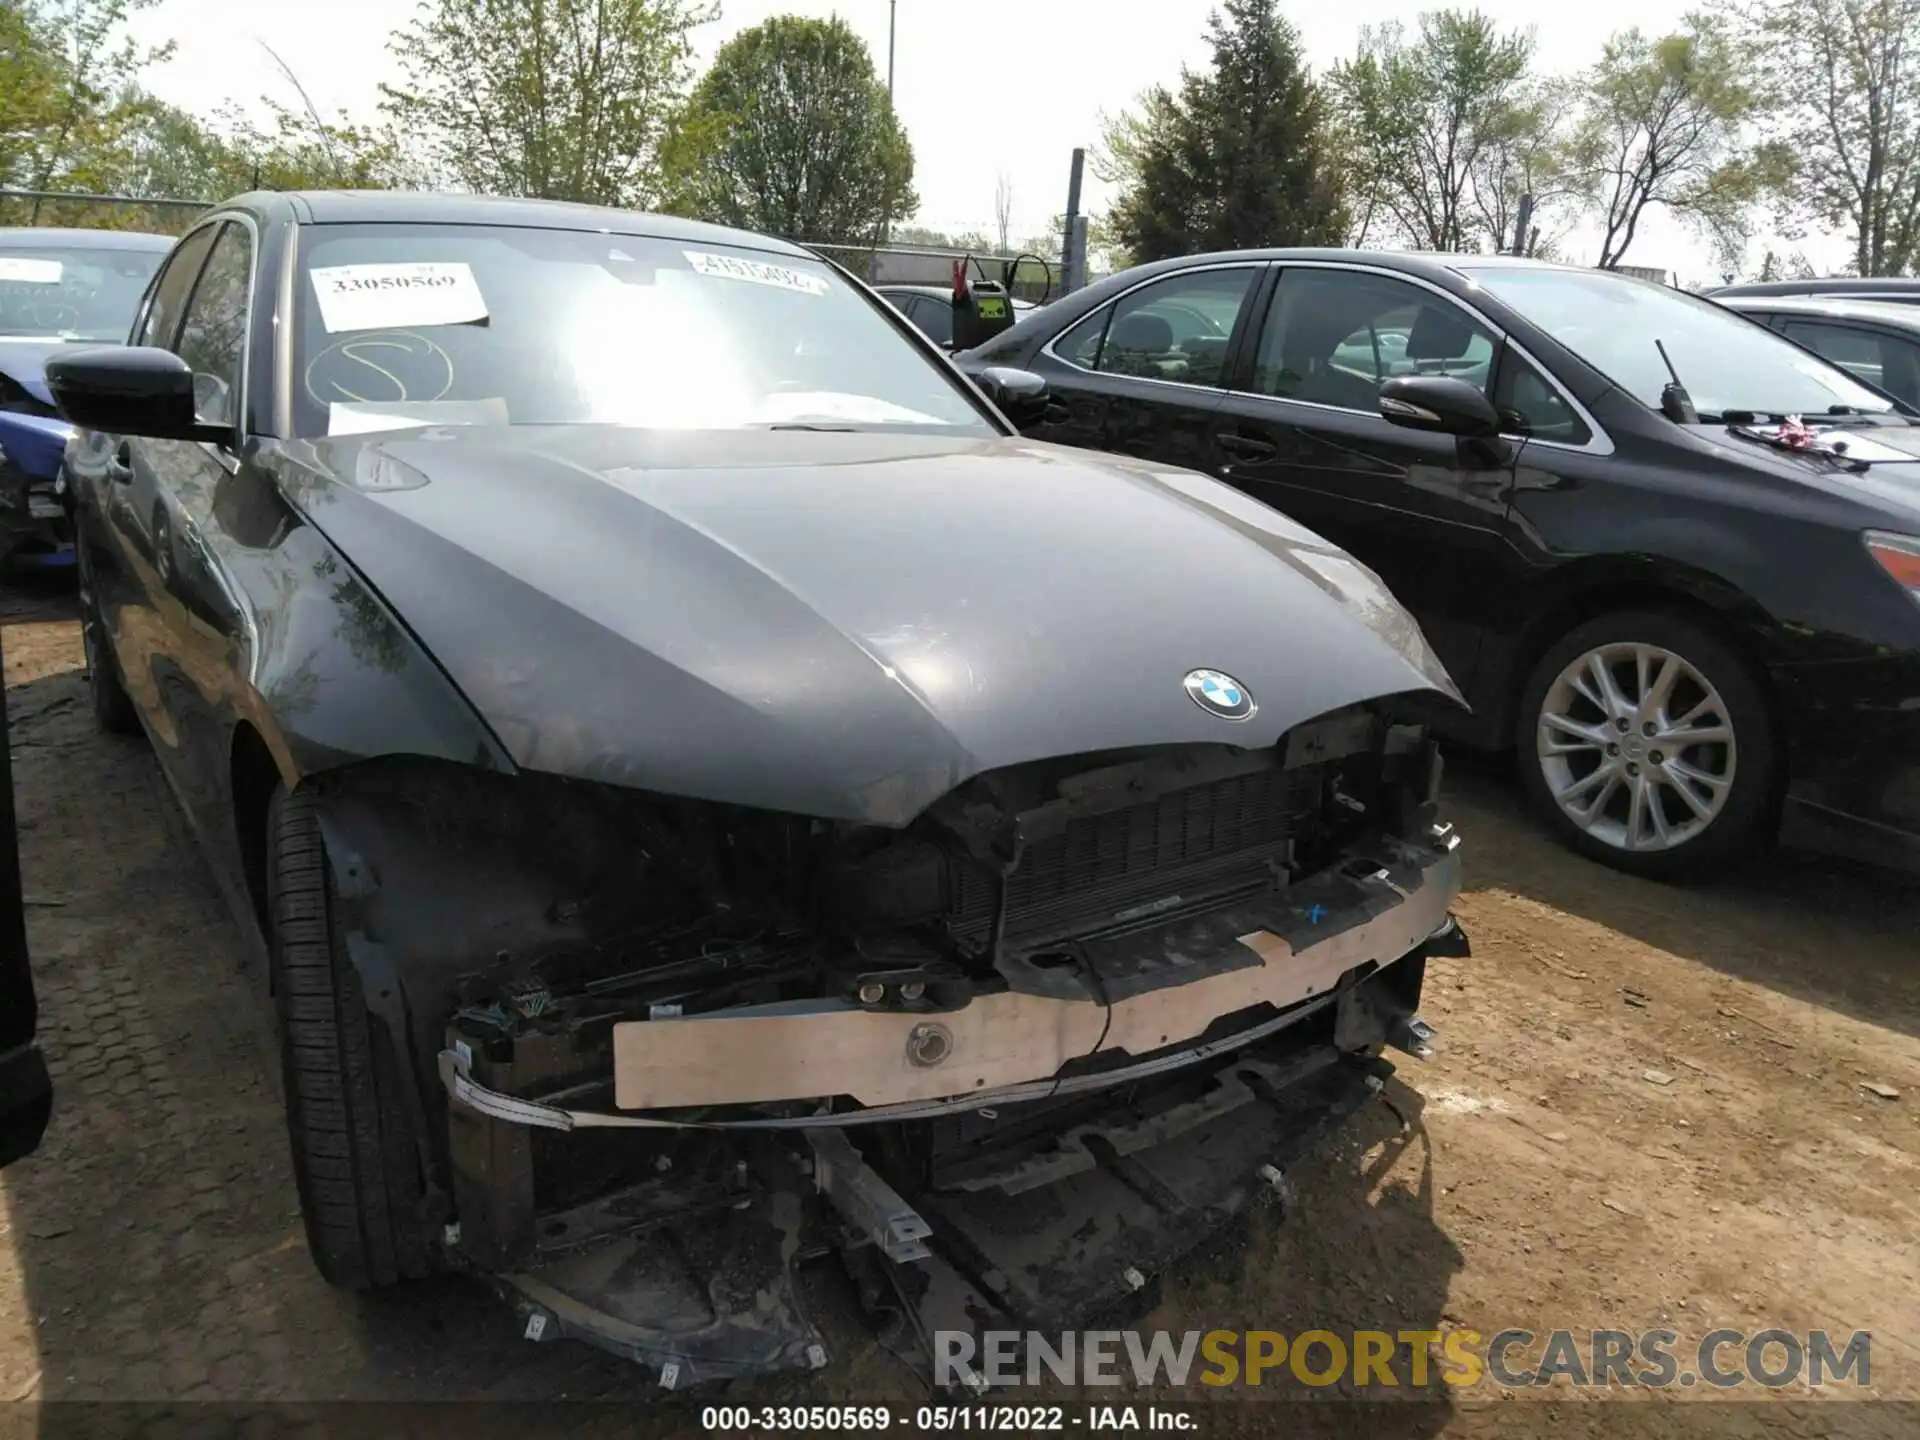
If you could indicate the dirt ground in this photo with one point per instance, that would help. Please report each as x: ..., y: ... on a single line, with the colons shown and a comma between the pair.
x: 1648, y: 1111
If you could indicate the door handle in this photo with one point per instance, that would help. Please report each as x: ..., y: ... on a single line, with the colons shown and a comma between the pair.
x: 120, y: 467
x: 1246, y: 447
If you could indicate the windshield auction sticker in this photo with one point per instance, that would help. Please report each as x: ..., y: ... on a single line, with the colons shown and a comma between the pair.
x: 380, y: 297
x: 732, y: 267
x: 30, y: 270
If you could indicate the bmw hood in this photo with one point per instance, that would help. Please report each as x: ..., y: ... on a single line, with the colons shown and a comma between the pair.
x: 845, y: 625
x: 32, y: 444
x: 24, y: 361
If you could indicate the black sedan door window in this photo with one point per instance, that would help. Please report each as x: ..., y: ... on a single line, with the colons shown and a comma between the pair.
x: 1421, y: 510
x: 1531, y: 405
x: 1174, y: 329
x: 1141, y: 376
x: 1333, y: 336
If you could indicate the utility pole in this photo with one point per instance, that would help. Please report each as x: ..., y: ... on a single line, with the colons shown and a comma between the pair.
x: 886, y: 227
x: 1073, y: 251
x: 1523, y: 224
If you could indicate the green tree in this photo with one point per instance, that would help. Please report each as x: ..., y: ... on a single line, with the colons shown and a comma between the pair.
x: 1105, y: 254
x: 557, y: 99
x: 30, y: 89
x: 1434, y: 122
x: 1774, y: 266
x: 1841, y: 79
x: 173, y: 153
x: 791, y: 132
x: 1526, y: 155
x: 67, y: 94
x: 1239, y: 157
x: 1664, y: 123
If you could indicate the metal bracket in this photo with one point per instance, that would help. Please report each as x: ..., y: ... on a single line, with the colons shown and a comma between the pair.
x: 873, y: 1206
x: 1414, y: 1036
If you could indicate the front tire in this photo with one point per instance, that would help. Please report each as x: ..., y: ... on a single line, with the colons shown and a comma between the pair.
x: 1647, y: 744
x: 361, y: 1187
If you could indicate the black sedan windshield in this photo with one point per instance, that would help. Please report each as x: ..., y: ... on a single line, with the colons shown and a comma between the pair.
x: 402, y: 325
x: 72, y: 293
x: 1726, y: 361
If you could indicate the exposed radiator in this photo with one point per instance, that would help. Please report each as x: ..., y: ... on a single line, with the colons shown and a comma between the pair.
x: 1104, y: 870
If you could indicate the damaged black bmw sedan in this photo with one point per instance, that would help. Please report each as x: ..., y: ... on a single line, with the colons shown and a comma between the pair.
x: 705, y: 793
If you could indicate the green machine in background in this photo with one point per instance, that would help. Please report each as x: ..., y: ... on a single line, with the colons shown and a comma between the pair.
x: 982, y: 308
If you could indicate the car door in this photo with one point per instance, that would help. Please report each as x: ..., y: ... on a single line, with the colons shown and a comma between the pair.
x: 1301, y: 430
x: 114, y: 486
x: 1884, y: 359
x: 181, y: 606
x: 1141, y: 375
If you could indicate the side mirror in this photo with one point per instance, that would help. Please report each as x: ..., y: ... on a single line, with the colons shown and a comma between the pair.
x: 128, y: 390
x: 1439, y: 404
x: 1020, y: 395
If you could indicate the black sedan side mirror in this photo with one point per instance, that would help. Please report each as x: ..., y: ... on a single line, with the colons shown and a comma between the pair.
x: 1020, y: 395
x: 1439, y: 404
x: 128, y: 390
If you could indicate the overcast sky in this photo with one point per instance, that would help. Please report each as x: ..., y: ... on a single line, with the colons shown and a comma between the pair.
x: 984, y: 87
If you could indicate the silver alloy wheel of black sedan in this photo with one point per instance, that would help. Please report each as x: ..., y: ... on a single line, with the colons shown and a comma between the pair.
x: 1647, y: 741
x: 1637, y: 746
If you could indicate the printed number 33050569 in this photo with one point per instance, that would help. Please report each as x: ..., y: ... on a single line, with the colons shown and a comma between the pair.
x: 358, y: 284
x: 378, y: 297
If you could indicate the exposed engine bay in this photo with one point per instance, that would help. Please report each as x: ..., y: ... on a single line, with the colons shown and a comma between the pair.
x: 1012, y: 1061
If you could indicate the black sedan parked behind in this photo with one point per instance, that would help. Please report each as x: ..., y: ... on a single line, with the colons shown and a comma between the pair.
x: 930, y: 308
x: 1684, y: 612
x: 1893, y: 290
x: 1872, y: 340
x: 705, y: 788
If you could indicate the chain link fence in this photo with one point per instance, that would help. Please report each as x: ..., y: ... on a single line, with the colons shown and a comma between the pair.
x: 155, y: 215
x: 1036, y: 277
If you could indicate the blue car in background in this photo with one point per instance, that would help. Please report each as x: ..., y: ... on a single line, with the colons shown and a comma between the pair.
x: 56, y: 287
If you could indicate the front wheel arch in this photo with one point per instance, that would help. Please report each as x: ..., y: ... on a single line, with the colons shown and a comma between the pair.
x: 1732, y: 617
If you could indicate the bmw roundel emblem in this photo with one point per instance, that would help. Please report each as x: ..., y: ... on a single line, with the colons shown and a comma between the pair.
x: 1219, y: 694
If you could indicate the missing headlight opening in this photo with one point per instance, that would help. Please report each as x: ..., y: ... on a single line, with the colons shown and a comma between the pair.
x: 684, y: 1046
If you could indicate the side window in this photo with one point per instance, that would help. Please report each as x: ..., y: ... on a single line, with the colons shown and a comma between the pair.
x: 1172, y: 329
x: 1332, y: 336
x: 902, y: 303
x: 170, y: 289
x: 1883, y: 361
x: 1529, y: 405
x: 935, y: 318
x: 214, y: 337
x: 1081, y: 345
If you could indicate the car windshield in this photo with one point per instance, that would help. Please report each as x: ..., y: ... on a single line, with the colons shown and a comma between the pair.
x: 1726, y: 362
x: 406, y: 325
x: 72, y: 293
